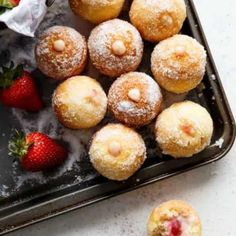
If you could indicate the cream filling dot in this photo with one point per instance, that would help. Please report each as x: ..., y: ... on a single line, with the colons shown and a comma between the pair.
x: 180, y: 51
x: 167, y: 20
x: 114, y: 148
x: 134, y: 94
x: 59, y: 45
x: 118, y: 48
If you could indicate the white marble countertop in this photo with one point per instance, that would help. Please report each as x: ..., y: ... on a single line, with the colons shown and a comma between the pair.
x: 210, y: 189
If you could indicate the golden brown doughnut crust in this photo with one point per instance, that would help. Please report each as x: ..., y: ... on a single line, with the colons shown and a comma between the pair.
x: 97, y: 11
x: 100, y: 44
x: 184, y: 129
x: 64, y: 64
x: 131, y: 157
x: 174, y: 209
x: 128, y: 111
x: 178, y: 63
x: 158, y: 19
x: 79, y: 102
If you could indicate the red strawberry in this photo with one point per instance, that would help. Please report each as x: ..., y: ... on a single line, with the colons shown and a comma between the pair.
x: 15, y: 2
x: 17, y: 89
x: 9, y: 4
x: 37, y: 151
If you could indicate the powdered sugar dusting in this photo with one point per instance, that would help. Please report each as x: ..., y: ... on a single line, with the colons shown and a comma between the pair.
x: 80, y: 102
x: 133, y: 151
x: 97, y: 2
x: 14, y: 180
x: 100, y: 43
x: 173, y: 211
x: 63, y: 64
x: 4, y: 191
x: 139, y: 112
x: 173, y: 139
x: 158, y: 19
x: 46, y: 122
x: 160, y: 5
x: 219, y: 142
x: 166, y: 63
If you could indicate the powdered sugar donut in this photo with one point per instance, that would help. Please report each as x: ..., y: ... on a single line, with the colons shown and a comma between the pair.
x: 135, y: 99
x: 184, y: 129
x: 178, y: 63
x: 61, y: 52
x: 174, y: 218
x: 97, y: 11
x: 115, y: 47
x: 79, y: 102
x: 158, y: 19
x: 117, y: 152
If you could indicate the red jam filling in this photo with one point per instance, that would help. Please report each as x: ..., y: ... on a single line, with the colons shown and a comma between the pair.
x: 188, y: 129
x: 175, y: 228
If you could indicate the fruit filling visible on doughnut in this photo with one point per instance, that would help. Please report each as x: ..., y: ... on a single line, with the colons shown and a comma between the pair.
x: 114, y: 148
x: 188, y: 129
x: 175, y: 227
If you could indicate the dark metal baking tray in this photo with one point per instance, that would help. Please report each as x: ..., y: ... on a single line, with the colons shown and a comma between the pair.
x: 28, y: 198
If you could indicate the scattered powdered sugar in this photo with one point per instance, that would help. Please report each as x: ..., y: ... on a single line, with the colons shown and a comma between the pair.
x: 46, y: 122
x: 13, y: 180
x: 4, y: 191
x: 213, y: 77
x: 219, y: 143
x: 100, y: 42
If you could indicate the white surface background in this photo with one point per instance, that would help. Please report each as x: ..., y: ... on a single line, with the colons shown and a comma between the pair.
x: 210, y: 189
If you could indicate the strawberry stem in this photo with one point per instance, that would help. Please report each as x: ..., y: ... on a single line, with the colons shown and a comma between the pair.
x: 7, y: 4
x: 18, y: 147
x: 9, y: 74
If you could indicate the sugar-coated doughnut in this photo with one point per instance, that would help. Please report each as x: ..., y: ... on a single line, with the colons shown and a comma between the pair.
x: 97, y: 11
x: 174, y: 218
x: 61, y: 52
x: 79, y: 102
x: 117, y: 152
x: 158, y: 19
x: 115, y: 47
x: 184, y: 129
x: 134, y: 99
x: 178, y: 63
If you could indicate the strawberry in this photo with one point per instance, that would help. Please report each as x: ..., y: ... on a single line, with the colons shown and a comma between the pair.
x: 36, y: 151
x: 15, y: 2
x: 8, y: 4
x: 17, y: 89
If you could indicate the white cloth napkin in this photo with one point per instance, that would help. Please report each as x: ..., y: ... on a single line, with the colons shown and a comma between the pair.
x: 26, y: 17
